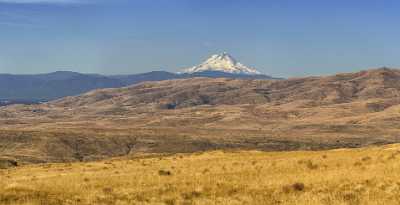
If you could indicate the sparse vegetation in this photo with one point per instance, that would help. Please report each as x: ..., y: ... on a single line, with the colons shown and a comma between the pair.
x: 247, y: 177
x: 199, y: 114
x: 164, y: 173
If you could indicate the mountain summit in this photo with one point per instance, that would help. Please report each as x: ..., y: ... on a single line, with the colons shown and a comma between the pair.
x: 223, y: 63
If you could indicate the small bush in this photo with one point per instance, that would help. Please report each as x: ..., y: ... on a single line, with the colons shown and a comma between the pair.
x: 164, y: 173
x: 108, y: 190
x: 311, y: 165
x: 298, y: 186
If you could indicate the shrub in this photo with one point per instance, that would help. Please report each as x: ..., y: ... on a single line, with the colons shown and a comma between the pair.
x: 311, y: 165
x: 108, y: 190
x: 298, y: 186
x: 164, y: 173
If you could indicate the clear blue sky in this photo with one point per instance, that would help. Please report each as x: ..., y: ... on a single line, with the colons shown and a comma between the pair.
x: 279, y: 37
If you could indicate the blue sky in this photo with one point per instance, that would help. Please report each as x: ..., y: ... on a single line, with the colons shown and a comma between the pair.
x: 283, y: 38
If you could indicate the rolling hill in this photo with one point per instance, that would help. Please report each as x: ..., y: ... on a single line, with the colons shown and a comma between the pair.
x: 365, y: 176
x: 45, y: 87
x: 196, y: 114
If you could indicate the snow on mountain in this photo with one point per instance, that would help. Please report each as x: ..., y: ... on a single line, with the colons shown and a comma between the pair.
x: 224, y: 63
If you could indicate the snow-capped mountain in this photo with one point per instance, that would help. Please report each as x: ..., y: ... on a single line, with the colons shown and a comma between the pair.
x: 223, y: 63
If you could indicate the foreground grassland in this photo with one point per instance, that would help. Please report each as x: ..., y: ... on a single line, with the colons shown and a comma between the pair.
x: 352, y: 176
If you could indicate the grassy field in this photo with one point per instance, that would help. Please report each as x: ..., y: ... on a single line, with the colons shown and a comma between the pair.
x: 348, y: 176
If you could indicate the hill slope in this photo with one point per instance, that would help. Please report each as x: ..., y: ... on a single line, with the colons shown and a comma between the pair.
x: 357, y: 176
x: 45, y: 87
x: 342, y: 88
x: 187, y: 115
x: 51, y: 86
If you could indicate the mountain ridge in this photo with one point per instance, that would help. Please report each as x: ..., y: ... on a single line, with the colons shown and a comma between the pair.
x: 50, y: 86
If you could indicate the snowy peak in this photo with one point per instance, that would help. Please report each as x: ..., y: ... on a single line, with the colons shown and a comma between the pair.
x: 224, y: 63
x: 223, y: 57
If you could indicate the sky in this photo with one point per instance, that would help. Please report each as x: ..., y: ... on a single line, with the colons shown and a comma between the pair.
x: 282, y: 38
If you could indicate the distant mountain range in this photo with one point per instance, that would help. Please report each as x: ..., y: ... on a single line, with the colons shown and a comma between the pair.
x: 44, y: 87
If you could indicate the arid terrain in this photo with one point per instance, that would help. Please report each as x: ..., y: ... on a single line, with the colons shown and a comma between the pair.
x: 199, y: 102
x: 360, y: 176
x: 199, y: 114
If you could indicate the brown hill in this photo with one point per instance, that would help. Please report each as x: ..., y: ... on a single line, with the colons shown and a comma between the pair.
x: 342, y: 88
x: 344, y: 110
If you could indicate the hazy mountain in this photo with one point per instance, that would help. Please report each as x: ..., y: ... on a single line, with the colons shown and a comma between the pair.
x: 150, y: 76
x: 50, y: 86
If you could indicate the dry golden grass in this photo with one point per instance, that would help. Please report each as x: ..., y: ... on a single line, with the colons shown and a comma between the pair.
x: 346, y: 176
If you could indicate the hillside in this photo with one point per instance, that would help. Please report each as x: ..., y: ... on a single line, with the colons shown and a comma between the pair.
x: 315, y: 91
x: 45, y: 87
x: 50, y: 86
x: 354, y: 176
x: 197, y: 114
